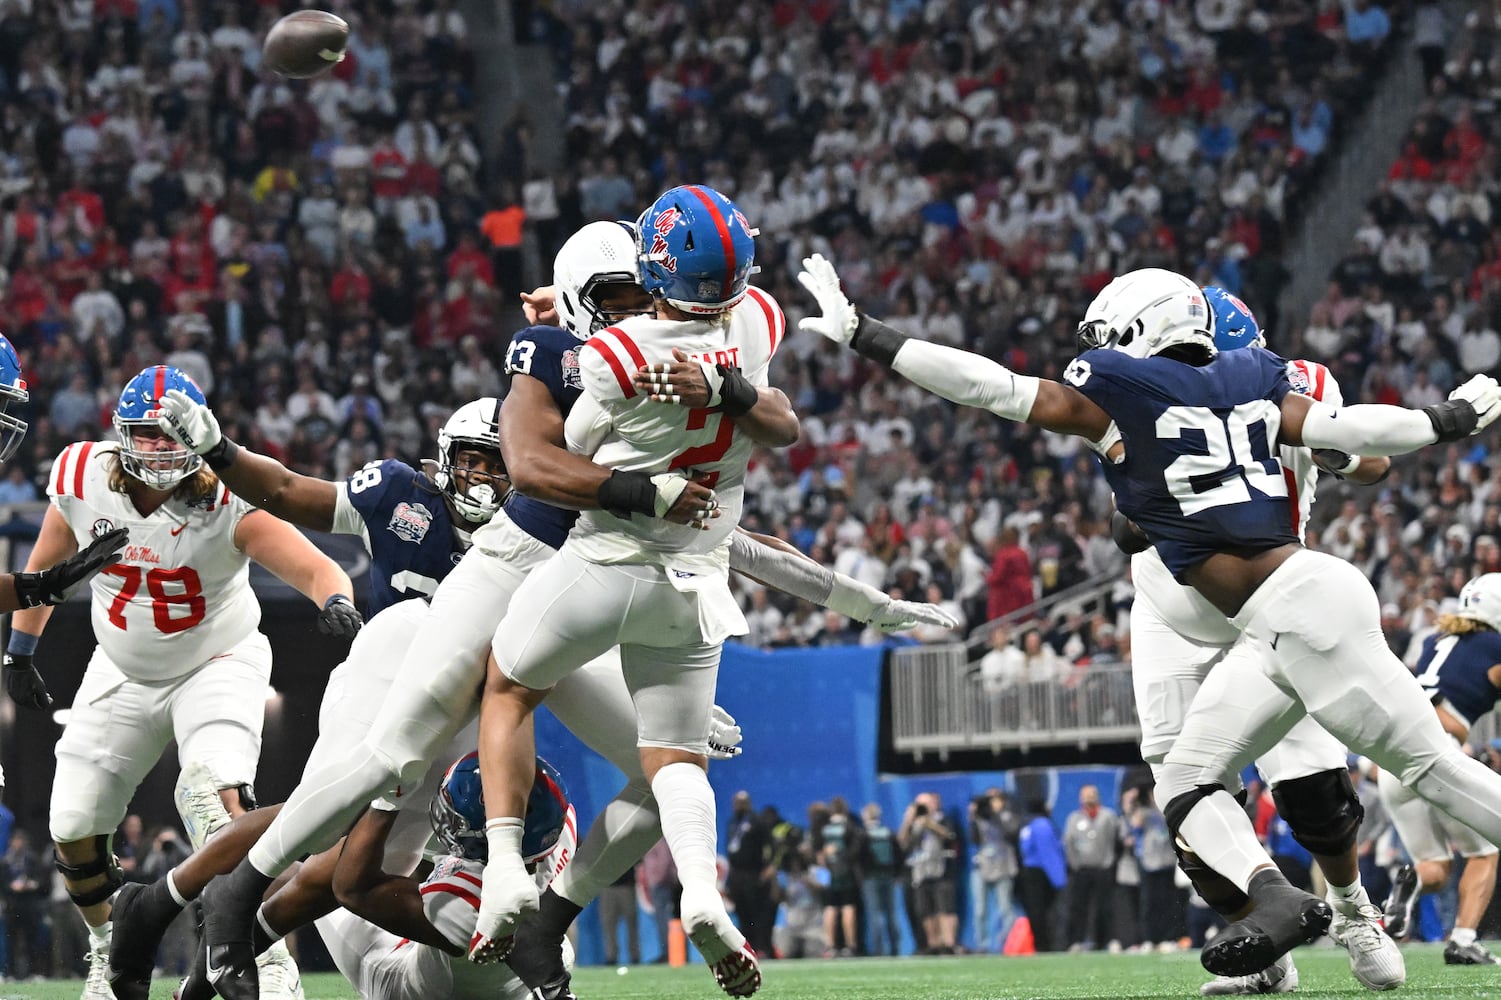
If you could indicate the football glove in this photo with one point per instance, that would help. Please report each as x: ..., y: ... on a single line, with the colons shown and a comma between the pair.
x: 196, y: 428
x: 52, y: 585
x: 1483, y: 395
x: 340, y: 617
x: 24, y: 683
x: 1127, y: 536
x: 839, y: 318
x: 899, y: 616
x: 724, y: 735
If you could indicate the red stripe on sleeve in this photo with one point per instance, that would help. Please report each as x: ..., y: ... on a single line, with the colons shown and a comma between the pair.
x: 453, y: 890
x: 79, y: 466
x: 62, y: 468
x: 637, y: 358
x: 468, y: 878
x: 773, y: 313
x: 1318, y: 390
x: 626, y: 387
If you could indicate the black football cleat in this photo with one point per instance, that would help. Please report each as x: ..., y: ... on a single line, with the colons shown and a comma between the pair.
x: 1285, y: 916
x: 229, y: 906
x: 140, y: 916
x: 1400, y: 903
x: 1468, y: 954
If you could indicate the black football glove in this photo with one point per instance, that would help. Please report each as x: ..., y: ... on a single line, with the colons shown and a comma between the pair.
x: 340, y: 617
x: 23, y: 683
x: 51, y: 586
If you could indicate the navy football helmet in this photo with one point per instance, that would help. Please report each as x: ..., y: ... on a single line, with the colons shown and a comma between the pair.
x: 1234, y: 325
x: 457, y: 811
x: 696, y: 250
x: 160, y: 468
x: 12, y: 393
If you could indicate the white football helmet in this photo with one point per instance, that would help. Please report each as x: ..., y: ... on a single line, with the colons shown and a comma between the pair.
x: 598, y: 255
x: 1144, y: 312
x: 1481, y: 600
x: 473, y: 425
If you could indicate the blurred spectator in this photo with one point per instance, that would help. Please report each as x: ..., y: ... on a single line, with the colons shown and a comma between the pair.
x: 1043, y: 875
x: 27, y: 881
x: 932, y: 846
x: 657, y: 875
x: 837, y: 847
x: 751, y: 880
x: 617, y: 907
x: 800, y: 927
x: 1091, y: 838
x: 881, y: 866
x: 993, y: 829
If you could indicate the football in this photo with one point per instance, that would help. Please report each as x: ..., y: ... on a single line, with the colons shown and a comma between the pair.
x: 305, y: 43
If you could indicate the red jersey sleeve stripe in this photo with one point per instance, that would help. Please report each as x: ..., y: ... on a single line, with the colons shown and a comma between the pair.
x: 1318, y: 389
x: 78, y: 468
x: 627, y: 388
x: 468, y: 878
x: 773, y: 312
x: 632, y: 351
x: 453, y: 890
x: 62, y: 469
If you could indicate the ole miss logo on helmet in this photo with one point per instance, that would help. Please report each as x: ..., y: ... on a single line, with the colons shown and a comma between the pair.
x: 663, y: 225
x: 1237, y: 303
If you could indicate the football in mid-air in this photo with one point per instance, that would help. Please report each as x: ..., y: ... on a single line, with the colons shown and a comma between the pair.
x: 305, y: 43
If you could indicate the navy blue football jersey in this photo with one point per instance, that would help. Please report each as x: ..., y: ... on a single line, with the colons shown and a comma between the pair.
x: 551, y: 354
x: 1457, y: 669
x: 1201, y: 472
x: 407, y: 528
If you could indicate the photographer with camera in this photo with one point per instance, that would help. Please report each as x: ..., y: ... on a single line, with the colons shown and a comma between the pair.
x: 932, y: 847
x: 993, y: 828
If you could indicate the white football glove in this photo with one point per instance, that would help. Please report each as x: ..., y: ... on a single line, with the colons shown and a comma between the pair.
x: 724, y: 735
x: 190, y: 423
x: 507, y: 894
x: 839, y: 318
x: 1483, y: 393
x: 899, y: 616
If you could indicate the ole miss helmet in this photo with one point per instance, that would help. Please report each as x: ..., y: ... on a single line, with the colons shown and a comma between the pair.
x: 12, y: 393
x: 697, y: 251
x: 457, y: 811
x: 1234, y: 326
x: 135, y: 416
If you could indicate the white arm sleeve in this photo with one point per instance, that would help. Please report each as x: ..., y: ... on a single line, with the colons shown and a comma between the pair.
x: 1367, y: 429
x: 586, y: 426
x: 804, y: 578
x: 967, y: 379
x: 347, y: 520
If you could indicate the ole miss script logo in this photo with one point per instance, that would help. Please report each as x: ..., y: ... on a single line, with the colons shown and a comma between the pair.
x: 663, y: 225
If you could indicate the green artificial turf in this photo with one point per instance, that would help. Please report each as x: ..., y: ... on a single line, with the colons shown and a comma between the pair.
x: 1324, y: 971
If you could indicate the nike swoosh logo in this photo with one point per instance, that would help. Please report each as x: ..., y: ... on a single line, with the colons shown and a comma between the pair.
x: 212, y: 974
x: 1275, y: 639
x: 178, y: 530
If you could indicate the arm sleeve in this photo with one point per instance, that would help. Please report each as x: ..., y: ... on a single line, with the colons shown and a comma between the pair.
x: 587, y: 424
x: 347, y: 519
x: 802, y: 577
x: 1367, y: 429
x: 967, y: 379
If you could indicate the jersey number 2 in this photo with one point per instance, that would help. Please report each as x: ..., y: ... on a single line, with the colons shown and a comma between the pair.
x: 162, y: 602
x: 706, y: 454
x: 1237, y: 455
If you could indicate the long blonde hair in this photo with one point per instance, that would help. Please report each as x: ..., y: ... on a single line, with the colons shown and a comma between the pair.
x: 1457, y: 625
x: 201, y: 485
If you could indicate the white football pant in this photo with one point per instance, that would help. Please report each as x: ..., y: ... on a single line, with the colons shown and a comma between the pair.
x: 1428, y: 834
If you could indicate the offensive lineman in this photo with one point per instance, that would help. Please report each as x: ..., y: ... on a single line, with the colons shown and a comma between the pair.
x: 1177, y: 637
x: 1460, y: 670
x: 1198, y: 476
x: 179, y: 654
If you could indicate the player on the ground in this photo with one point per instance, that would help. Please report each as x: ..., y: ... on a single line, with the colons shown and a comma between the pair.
x: 454, y: 637
x: 179, y: 655
x: 1201, y: 479
x: 1460, y: 669
x: 659, y: 591
x: 54, y: 584
x: 1177, y: 636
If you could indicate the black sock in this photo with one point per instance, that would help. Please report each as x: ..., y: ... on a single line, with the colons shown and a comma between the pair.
x: 260, y: 940
x: 556, y: 914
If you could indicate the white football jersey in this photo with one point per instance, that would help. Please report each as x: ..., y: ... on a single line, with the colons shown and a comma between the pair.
x: 621, y: 428
x: 1188, y: 613
x: 180, y: 593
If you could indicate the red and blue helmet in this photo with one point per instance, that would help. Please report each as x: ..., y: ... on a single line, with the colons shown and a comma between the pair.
x: 1234, y: 325
x: 457, y: 811
x: 696, y: 250
x: 135, y: 417
x: 12, y: 393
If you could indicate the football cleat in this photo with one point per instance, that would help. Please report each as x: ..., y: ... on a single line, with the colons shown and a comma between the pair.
x: 734, y: 963
x: 1279, y: 977
x: 1468, y: 954
x: 139, y: 919
x: 96, y: 986
x: 1375, y: 959
x: 1285, y: 917
x: 198, y: 804
x: 278, y: 974
x: 1400, y: 904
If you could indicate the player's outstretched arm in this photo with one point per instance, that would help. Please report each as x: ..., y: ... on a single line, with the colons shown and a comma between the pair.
x: 391, y: 902
x: 771, y: 561
x: 259, y: 479
x: 283, y: 550
x: 958, y: 376
x: 541, y: 466
x: 1377, y: 430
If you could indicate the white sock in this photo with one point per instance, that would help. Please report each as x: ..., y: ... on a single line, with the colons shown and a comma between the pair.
x: 1462, y: 936
x: 687, y: 805
x: 173, y: 891
x: 271, y: 932
x: 619, y: 837
x: 1352, y: 893
x: 1217, y: 830
x: 100, y: 933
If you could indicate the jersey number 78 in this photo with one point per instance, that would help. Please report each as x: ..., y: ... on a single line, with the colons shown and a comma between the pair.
x: 162, y: 601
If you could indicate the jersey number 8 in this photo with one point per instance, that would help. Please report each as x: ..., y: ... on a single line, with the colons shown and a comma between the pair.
x: 364, y: 479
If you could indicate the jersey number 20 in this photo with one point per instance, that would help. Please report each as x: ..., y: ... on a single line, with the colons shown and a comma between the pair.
x: 1237, y: 455
x: 162, y: 602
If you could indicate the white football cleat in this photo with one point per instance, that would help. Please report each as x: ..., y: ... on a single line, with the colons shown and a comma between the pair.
x: 1375, y: 959
x: 278, y: 974
x: 734, y: 963
x: 96, y: 986
x: 198, y: 804
x: 1279, y: 977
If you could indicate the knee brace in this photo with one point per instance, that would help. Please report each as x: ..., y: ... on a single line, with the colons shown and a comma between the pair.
x: 1322, y: 811
x: 104, y: 863
x: 1223, y: 896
